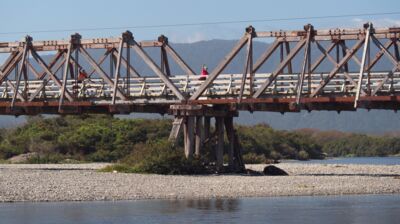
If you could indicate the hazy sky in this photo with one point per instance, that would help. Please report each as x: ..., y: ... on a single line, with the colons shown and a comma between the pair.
x: 28, y: 15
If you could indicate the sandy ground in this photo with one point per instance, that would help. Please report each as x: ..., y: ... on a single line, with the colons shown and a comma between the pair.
x: 82, y: 182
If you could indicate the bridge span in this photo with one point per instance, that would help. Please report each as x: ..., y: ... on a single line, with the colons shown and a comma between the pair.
x: 363, y: 73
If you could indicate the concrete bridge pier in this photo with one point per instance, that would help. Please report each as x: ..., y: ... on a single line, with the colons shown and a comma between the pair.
x: 201, y: 138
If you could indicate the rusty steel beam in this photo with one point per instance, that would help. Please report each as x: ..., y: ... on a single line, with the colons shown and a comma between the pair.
x: 21, y: 70
x: 306, y: 63
x: 305, y: 100
x: 266, y: 55
x: 334, y: 62
x: 146, y: 58
x: 220, y: 67
x: 47, y: 70
x: 368, y: 36
x: 281, y: 66
x: 185, y: 67
x: 64, y: 79
x: 248, y: 67
x: 336, y: 69
x: 10, y: 66
x: 118, y: 69
x: 100, y: 71
x: 332, y: 34
x: 55, y: 45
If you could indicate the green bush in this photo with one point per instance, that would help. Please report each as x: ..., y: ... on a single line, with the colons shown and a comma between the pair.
x: 261, y: 139
x: 303, y: 155
x: 161, y: 157
x: 86, y: 137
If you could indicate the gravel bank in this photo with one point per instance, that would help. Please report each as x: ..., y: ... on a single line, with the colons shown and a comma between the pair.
x: 78, y: 182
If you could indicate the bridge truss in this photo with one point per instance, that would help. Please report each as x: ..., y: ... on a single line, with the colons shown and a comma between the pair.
x: 336, y: 69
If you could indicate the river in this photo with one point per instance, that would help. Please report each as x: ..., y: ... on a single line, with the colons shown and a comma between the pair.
x: 366, y: 209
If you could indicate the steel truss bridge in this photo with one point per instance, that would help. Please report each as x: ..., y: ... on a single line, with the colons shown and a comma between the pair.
x: 29, y: 84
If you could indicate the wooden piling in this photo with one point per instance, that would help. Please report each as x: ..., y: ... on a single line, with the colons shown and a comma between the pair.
x: 220, y: 142
x: 231, y: 138
x: 207, y: 121
x: 189, y: 137
x: 199, y: 135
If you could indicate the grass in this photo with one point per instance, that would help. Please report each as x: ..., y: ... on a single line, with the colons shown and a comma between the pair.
x: 3, y: 161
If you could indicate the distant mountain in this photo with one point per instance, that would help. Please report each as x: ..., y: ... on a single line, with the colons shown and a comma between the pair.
x: 212, y: 52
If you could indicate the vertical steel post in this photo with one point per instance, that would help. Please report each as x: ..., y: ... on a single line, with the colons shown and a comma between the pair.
x: 246, y: 68
x: 287, y: 46
x: 309, y: 29
x: 220, y: 143
x: 117, y: 69
x: 128, y: 69
x: 21, y: 68
x: 74, y: 44
x: 368, y: 28
x: 76, y: 71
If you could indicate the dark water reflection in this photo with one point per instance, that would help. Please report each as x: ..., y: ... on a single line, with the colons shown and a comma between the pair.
x: 343, y: 209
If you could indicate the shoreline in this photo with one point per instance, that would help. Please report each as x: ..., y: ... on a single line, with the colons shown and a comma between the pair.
x: 82, y: 182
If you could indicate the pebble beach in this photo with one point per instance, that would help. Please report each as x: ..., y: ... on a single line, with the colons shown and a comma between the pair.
x: 83, y: 182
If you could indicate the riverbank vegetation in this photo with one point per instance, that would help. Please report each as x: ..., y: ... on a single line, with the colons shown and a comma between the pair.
x: 143, y: 145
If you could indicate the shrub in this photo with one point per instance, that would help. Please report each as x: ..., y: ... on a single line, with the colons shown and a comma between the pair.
x: 303, y: 155
x: 8, y: 150
x: 161, y: 157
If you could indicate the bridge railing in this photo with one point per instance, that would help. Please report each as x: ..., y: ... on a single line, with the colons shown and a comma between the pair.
x: 152, y: 89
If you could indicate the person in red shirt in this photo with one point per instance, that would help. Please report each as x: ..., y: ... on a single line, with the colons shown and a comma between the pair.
x: 82, y: 76
x: 204, y: 73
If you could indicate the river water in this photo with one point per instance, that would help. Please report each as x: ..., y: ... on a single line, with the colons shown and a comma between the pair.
x: 365, y: 209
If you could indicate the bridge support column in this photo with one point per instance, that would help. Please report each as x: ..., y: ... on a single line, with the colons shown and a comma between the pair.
x: 219, y: 150
x: 230, y: 133
x: 189, y: 136
x: 198, y: 139
x: 207, y: 122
